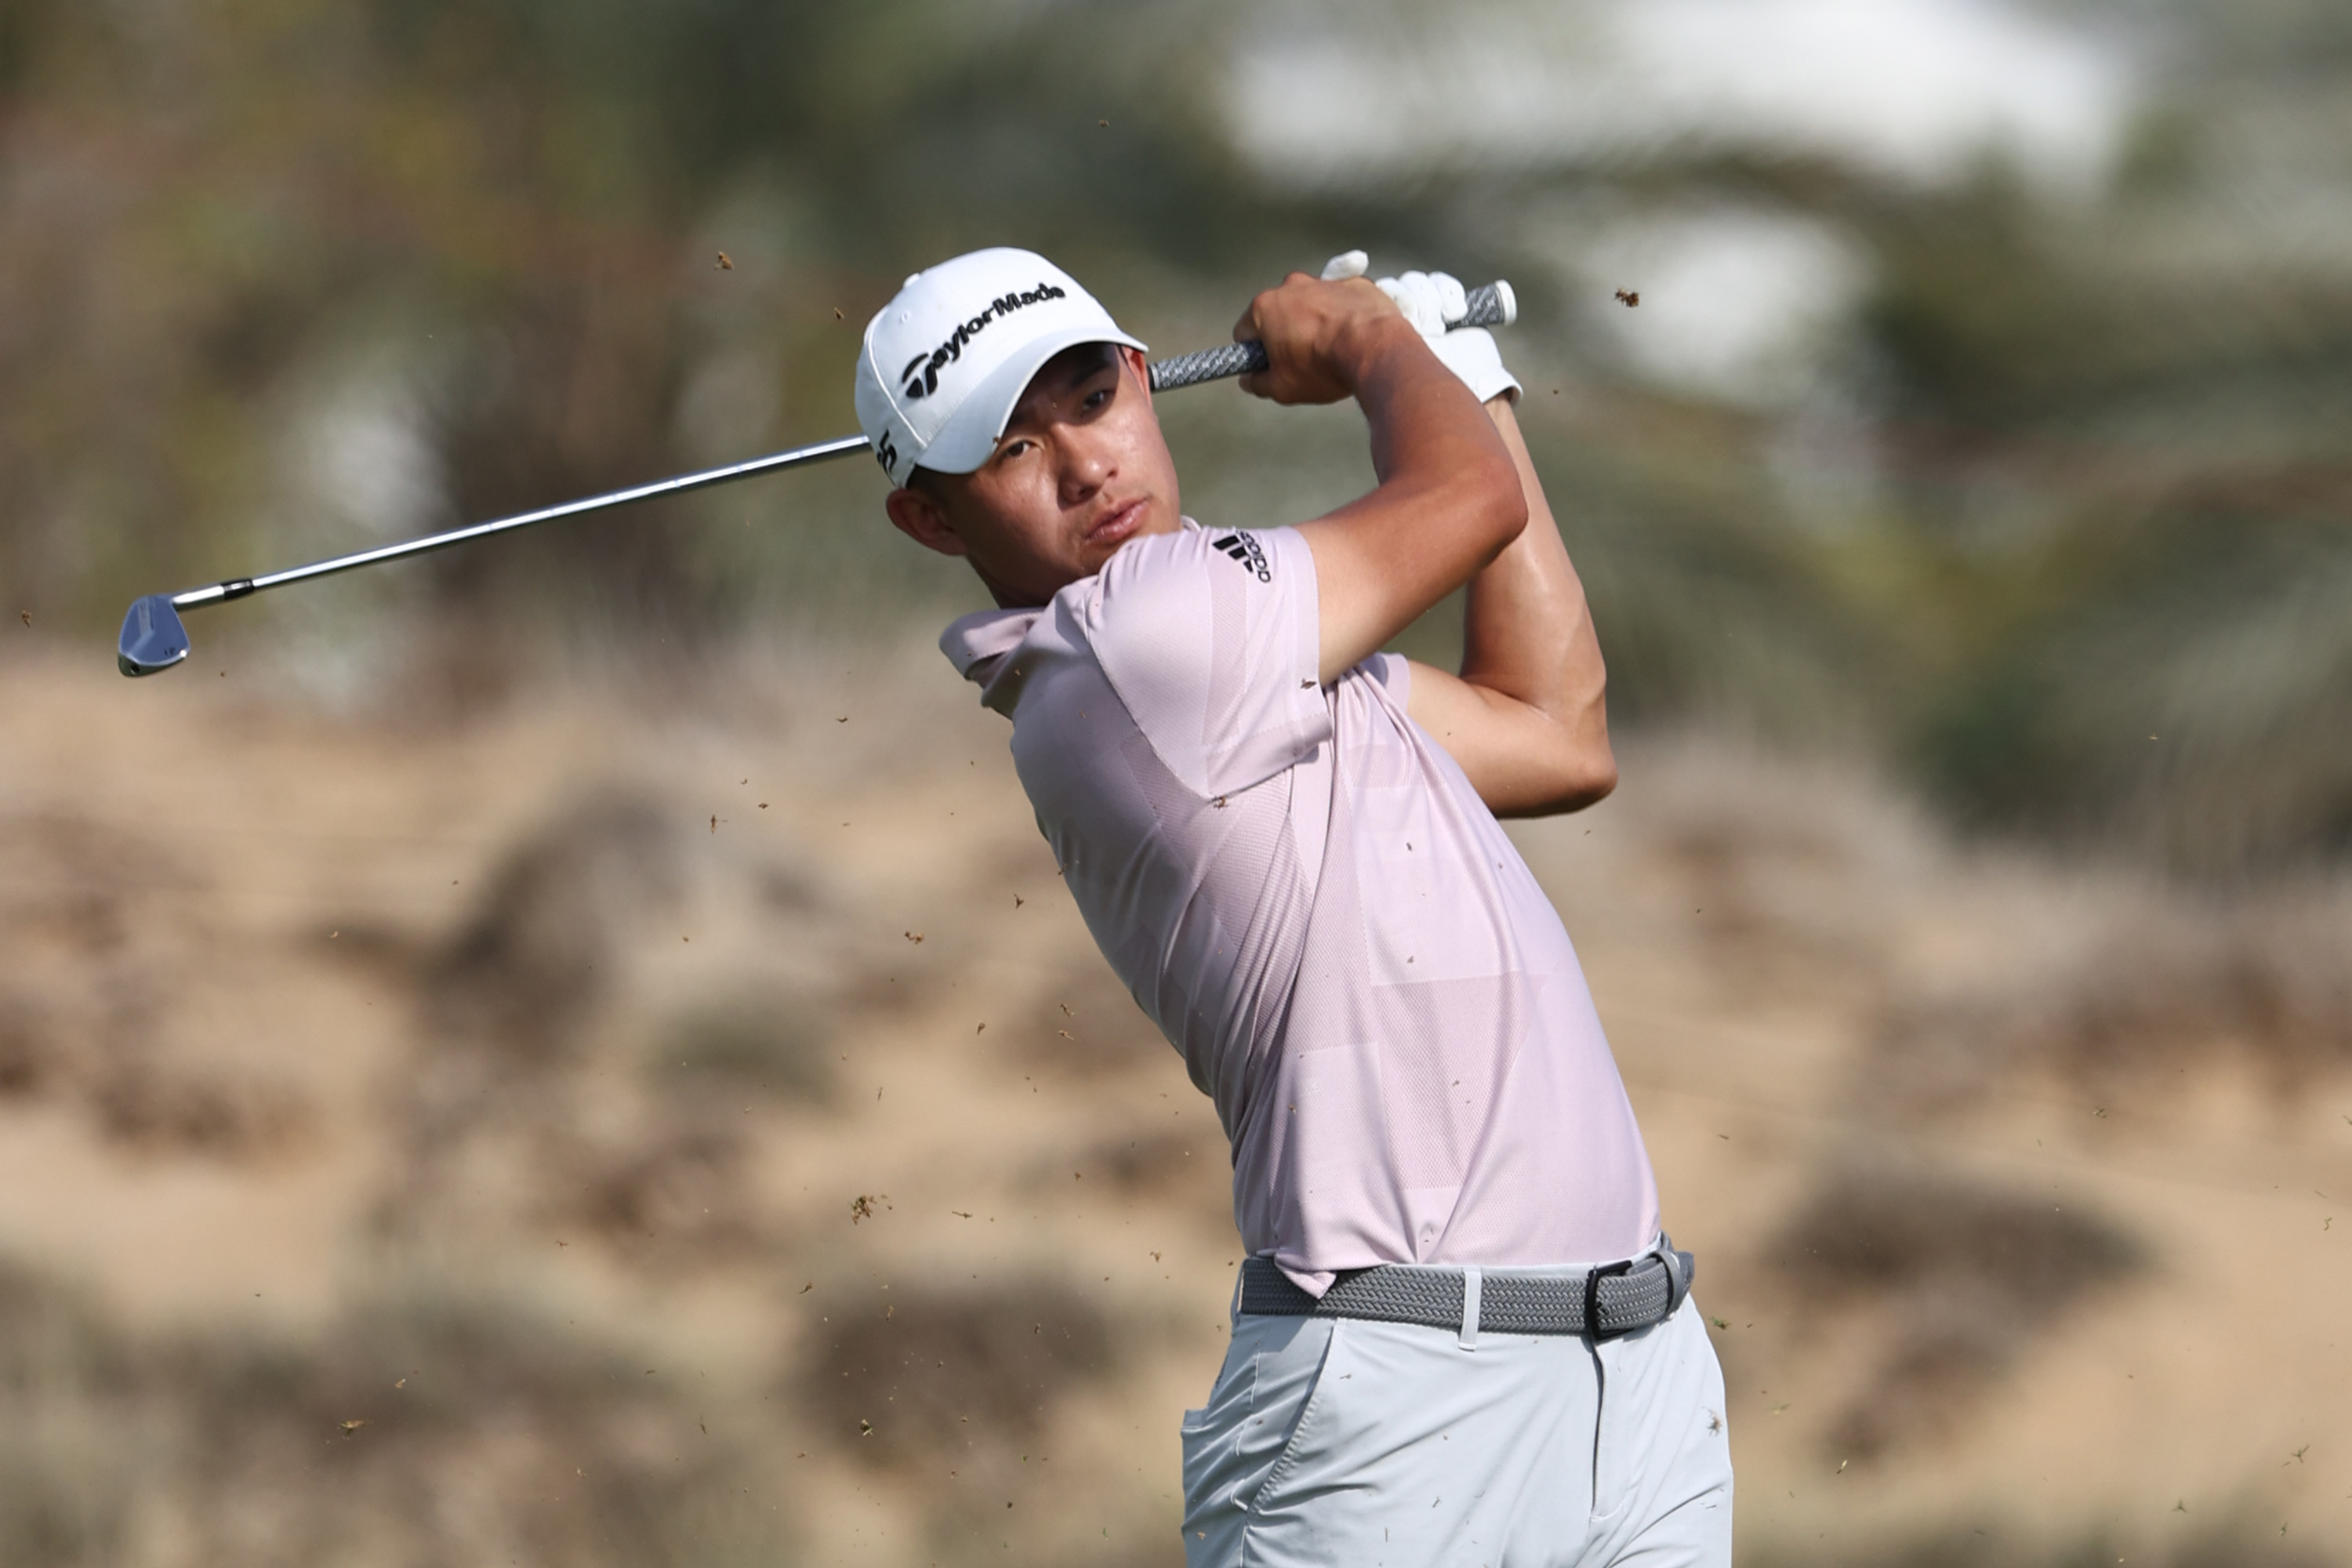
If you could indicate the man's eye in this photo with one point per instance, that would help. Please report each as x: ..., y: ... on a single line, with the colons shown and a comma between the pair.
x: 1097, y: 399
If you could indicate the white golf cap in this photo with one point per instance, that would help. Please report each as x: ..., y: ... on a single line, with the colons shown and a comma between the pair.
x: 945, y: 362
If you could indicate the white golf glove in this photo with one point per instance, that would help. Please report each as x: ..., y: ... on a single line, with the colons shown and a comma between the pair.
x: 1429, y: 300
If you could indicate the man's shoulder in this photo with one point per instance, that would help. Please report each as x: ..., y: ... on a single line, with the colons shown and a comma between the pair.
x: 1179, y: 575
x: 1256, y: 552
x: 1209, y: 637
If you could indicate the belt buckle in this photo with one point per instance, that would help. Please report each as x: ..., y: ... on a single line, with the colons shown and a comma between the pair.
x: 1592, y: 1292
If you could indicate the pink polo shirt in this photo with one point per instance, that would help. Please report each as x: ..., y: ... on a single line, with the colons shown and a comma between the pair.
x: 1303, y: 891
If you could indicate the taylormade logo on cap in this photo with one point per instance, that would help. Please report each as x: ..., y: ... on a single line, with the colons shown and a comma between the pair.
x: 922, y: 373
x: 943, y: 364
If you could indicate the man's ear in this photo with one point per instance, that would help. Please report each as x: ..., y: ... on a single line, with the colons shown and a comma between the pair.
x: 922, y: 519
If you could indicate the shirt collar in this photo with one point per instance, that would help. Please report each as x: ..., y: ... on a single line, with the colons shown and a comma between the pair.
x: 977, y: 644
x: 974, y: 644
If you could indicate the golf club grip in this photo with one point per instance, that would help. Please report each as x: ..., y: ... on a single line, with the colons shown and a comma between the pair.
x: 1490, y: 305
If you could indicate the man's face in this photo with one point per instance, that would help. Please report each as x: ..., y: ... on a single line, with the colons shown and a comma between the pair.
x: 1080, y: 470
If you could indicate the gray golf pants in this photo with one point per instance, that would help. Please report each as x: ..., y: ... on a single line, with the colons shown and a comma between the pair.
x: 1343, y: 1444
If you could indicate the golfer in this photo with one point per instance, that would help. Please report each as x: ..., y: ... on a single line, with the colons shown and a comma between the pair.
x: 1460, y: 1336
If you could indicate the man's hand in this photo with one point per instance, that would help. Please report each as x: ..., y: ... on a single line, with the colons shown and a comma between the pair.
x: 1431, y: 299
x: 1320, y: 338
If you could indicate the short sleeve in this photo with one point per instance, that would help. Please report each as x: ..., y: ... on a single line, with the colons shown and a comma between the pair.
x: 1210, y: 639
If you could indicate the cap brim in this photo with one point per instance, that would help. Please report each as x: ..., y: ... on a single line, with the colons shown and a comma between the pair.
x: 969, y: 436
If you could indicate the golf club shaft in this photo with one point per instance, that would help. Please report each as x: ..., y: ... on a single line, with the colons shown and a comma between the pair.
x: 239, y: 587
x: 1491, y: 305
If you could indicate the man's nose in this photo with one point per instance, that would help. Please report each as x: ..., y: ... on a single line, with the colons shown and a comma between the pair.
x: 1087, y: 464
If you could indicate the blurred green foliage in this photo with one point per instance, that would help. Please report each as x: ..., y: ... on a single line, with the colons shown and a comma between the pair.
x: 2090, y: 492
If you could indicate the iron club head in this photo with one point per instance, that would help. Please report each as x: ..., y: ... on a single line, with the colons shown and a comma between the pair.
x: 152, y: 637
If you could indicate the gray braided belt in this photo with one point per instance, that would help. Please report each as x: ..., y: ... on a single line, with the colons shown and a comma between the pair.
x: 1615, y: 1298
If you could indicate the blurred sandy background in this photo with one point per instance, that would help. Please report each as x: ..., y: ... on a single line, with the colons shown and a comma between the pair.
x: 574, y: 1052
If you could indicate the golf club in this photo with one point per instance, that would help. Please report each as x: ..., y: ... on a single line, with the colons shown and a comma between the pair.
x: 153, y: 639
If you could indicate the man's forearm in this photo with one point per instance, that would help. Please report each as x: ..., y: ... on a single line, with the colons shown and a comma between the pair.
x: 1528, y: 634
x: 1448, y: 499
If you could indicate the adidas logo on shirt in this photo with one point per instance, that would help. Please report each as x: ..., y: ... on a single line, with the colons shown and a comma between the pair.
x: 1246, y: 552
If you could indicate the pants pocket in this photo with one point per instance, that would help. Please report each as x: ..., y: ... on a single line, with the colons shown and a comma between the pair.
x: 1295, y: 1407
x: 1234, y: 1445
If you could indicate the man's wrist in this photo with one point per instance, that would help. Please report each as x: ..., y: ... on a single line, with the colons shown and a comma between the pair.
x: 1370, y: 342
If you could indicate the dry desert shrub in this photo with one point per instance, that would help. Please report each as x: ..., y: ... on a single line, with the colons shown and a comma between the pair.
x: 510, y: 1103
x: 1870, y: 1230
x: 658, y: 1170
x: 540, y: 950
x: 27, y: 1058
x: 2241, y: 1541
x: 1790, y: 873
x: 236, y: 1119
x: 1795, y: 826
x: 1964, y: 1275
x: 101, y: 936
x: 407, y: 1433
x: 81, y: 887
x: 671, y: 1188
x: 484, y: 1430
x: 919, y: 1377
x: 75, y: 1432
x: 771, y: 1044
x: 2169, y: 985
